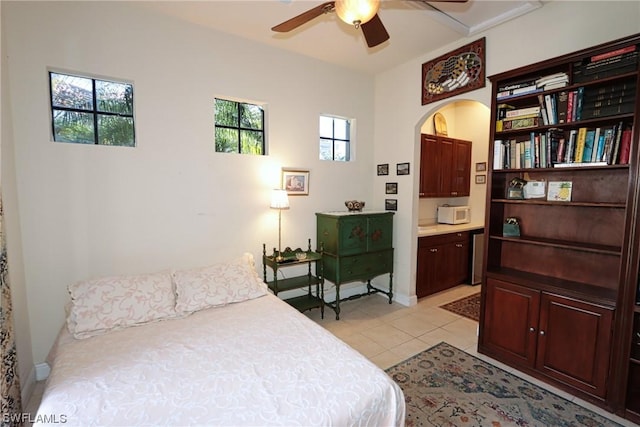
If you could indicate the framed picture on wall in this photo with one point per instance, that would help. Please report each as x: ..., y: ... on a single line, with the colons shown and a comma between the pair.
x: 391, y: 188
x: 295, y: 181
x: 383, y: 169
x: 402, y: 169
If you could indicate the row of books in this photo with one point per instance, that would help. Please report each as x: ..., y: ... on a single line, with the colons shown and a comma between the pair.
x: 570, y: 106
x: 554, y: 148
x: 607, y: 64
x: 596, y: 67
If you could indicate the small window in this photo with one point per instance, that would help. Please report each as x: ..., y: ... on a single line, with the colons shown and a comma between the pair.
x: 239, y: 127
x: 335, y: 138
x: 85, y: 110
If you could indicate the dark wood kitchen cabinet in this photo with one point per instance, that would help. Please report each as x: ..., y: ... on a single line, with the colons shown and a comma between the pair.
x: 445, y: 167
x: 563, y: 338
x: 443, y: 262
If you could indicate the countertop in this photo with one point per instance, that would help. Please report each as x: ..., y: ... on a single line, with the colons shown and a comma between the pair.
x: 436, y: 229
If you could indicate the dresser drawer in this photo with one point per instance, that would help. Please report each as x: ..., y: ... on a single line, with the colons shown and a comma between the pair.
x: 365, y: 266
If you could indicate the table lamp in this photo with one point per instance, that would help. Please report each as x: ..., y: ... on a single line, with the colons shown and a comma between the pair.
x: 280, y: 201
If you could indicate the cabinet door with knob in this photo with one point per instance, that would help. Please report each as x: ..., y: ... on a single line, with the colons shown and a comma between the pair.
x: 563, y: 338
x: 443, y: 262
x: 445, y: 167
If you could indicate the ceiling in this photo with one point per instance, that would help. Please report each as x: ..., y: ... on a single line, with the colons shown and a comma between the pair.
x: 415, y: 27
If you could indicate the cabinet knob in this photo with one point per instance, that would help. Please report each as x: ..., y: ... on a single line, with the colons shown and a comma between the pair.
x: 532, y: 329
x: 458, y: 245
x: 433, y: 250
x: 454, y: 193
x: 541, y: 332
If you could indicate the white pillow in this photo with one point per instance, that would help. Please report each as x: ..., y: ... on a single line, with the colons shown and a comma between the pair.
x: 217, y: 285
x: 111, y: 303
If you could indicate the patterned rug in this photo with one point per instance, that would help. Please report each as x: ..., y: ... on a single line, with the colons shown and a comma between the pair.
x: 468, y: 307
x: 445, y: 386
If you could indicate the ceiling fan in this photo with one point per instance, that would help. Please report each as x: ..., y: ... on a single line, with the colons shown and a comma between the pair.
x: 359, y: 13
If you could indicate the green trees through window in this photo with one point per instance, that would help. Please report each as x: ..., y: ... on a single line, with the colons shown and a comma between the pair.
x: 91, y: 111
x: 239, y: 127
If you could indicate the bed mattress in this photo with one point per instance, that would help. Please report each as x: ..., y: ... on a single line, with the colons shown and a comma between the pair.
x: 254, y: 363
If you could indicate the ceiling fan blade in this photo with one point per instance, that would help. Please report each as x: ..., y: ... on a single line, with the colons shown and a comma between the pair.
x: 374, y: 31
x: 305, y: 17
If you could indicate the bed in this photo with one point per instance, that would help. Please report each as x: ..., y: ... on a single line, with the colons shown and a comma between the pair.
x: 217, y: 349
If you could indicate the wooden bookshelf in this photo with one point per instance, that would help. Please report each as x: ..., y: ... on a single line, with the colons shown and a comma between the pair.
x: 574, y: 266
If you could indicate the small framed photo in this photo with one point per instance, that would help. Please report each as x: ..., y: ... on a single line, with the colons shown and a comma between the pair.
x: 383, y: 169
x: 402, y: 169
x: 391, y: 188
x: 295, y: 181
x: 481, y: 167
x: 481, y: 179
x: 391, y: 204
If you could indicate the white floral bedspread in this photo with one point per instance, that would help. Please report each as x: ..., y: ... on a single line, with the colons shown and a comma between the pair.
x: 254, y: 363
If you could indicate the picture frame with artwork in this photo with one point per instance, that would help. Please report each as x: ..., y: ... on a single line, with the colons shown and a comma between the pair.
x: 391, y: 188
x: 481, y: 166
x: 383, y: 169
x: 459, y: 71
x: 481, y: 179
x: 391, y: 204
x: 295, y: 181
x: 402, y: 168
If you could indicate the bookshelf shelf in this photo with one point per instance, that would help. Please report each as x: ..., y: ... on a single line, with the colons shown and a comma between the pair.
x: 576, y: 246
x: 576, y: 262
x: 550, y: 203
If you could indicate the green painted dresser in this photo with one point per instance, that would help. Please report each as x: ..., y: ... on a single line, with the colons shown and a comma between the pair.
x: 358, y: 246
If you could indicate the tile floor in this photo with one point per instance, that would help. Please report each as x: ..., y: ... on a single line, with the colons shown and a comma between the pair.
x: 387, y: 334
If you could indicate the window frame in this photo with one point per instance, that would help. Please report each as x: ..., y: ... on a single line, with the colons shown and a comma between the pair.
x: 239, y: 126
x: 348, y: 141
x: 95, y: 112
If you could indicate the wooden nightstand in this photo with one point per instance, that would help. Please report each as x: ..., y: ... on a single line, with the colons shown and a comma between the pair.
x: 314, y: 298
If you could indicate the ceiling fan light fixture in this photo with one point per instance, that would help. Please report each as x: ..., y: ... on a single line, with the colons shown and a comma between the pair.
x: 356, y: 12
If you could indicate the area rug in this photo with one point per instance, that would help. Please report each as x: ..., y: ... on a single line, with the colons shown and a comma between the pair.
x: 468, y: 307
x: 445, y: 386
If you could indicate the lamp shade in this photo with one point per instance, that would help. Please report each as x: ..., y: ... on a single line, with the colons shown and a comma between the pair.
x: 279, y: 199
x: 356, y: 12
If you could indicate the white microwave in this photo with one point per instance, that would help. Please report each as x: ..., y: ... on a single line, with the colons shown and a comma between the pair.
x: 454, y: 214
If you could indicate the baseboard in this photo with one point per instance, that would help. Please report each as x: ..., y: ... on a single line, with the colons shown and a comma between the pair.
x: 42, y: 371
x: 27, y: 386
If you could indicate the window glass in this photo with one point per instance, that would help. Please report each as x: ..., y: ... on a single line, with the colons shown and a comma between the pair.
x: 91, y: 111
x: 239, y: 127
x: 335, y: 138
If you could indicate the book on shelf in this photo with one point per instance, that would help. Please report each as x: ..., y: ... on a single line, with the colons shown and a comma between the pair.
x: 587, y: 152
x: 596, y: 139
x: 520, y: 123
x: 549, y: 101
x: 498, y: 154
x: 580, y: 141
x: 570, y: 110
x: 517, y: 84
x: 523, y: 112
x: 528, y: 155
x: 502, y: 110
x: 608, y: 110
x: 616, y: 52
x: 535, y: 150
x: 570, y: 146
x: 543, y: 110
x: 616, y: 144
x: 514, y: 162
x: 559, y: 191
x: 553, y: 81
x: 584, y: 71
x: 555, y: 145
x: 577, y: 165
x: 562, y: 104
x: 578, y: 104
x: 604, y: 150
x: 502, y: 95
x: 625, y: 146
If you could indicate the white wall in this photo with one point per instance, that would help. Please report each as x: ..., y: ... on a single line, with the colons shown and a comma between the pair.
x: 557, y: 28
x: 172, y: 201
